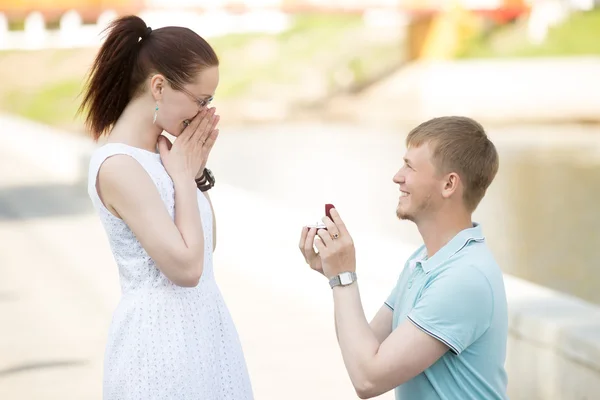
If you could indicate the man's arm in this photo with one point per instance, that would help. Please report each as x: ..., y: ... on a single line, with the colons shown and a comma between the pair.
x: 376, y: 367
x: 440, y: 320
x: 381, y: 324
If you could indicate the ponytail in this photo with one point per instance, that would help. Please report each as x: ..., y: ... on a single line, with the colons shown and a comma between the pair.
x: 108, y: 87
x: 126, y: 58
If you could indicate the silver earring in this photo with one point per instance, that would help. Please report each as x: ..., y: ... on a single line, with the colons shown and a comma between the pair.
x: 155, y: 113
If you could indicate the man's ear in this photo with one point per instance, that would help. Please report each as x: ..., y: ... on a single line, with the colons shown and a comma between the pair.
x: 450, y: 184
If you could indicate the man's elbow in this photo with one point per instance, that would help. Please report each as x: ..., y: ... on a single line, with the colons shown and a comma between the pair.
x: 365, y: 387
x: 366, y: 390
x: 369, y: 387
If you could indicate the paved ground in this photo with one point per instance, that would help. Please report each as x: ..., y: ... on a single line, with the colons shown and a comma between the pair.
x: 59, y: 285
x: 58, y: 282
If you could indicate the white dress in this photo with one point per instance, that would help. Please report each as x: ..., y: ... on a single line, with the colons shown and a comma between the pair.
x: 166, y: 341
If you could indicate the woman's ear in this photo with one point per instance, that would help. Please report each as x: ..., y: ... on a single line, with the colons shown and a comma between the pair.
x: 157, y: 85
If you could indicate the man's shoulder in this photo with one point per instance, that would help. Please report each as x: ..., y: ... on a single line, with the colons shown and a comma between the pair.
x: 472, y: 263
x: 476, y: 264
x: 475, y: 255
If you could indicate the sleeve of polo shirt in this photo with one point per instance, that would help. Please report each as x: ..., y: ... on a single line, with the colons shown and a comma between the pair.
x: 455, y: 307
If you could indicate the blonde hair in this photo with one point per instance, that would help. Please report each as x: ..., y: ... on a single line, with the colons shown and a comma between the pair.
x: 460, y: 144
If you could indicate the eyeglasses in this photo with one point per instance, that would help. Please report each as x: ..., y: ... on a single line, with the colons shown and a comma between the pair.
x: 201, y: 102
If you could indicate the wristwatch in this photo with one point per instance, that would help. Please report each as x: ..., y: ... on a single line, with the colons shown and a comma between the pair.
x: 343, y: 279
x: 206, y: 181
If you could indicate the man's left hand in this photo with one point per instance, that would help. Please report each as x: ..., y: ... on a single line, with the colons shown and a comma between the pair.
x: 335, y: 246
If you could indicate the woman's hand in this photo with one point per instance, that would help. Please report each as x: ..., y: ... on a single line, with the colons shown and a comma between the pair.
x: 188, y: 154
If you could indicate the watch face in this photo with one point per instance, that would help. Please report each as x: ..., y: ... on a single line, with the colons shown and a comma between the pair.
x: 345, y: 279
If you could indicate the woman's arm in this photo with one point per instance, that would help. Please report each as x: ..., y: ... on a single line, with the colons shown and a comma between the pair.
x: 177, y: 246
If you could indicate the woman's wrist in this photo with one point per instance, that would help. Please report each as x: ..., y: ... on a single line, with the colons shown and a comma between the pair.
x: 183, y: 179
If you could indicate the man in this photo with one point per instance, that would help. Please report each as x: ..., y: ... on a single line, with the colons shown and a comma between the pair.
x: 441, y: 333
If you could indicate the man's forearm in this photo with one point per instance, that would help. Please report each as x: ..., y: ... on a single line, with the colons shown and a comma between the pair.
x: 357, y: 341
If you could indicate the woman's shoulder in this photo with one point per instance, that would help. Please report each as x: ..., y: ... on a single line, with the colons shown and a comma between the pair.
x: 123, y: 152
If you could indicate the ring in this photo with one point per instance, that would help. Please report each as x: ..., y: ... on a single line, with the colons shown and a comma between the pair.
x: 335, y: 236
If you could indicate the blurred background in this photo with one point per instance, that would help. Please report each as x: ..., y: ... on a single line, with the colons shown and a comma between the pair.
x: 316, y: 98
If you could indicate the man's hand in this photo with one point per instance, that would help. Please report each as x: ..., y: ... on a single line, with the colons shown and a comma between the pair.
x: 336, y: 247
x: 307, y: 238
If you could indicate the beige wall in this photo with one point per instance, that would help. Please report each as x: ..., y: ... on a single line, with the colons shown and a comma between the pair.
x: 553, y: 346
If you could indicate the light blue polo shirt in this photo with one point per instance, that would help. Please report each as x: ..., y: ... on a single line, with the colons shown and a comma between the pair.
x: 458, y: 297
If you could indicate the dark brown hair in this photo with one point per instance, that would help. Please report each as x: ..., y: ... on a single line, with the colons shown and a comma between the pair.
x: 130, y: 53
x: 460, y: 144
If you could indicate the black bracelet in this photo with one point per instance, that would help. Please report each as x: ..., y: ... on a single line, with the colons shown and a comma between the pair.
x: 206, y: 181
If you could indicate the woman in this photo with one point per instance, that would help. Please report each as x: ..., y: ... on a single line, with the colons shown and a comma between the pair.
x: 171, y: 336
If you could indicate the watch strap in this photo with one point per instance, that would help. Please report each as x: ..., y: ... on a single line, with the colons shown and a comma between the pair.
x: 343, y: 279
x: 206, y: 181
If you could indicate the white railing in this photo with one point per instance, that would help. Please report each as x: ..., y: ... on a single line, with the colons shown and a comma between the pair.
x: 264, y: 16
x: 210, y: 18
x: 73, y: 33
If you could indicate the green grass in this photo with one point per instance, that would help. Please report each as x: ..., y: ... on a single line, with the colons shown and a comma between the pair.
x: 54, y: 104
x: 578, y: 35
x: 289, y: 54
x: 316, y: 48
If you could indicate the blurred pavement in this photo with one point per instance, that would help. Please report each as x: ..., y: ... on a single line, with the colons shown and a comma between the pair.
x: 59, y: 285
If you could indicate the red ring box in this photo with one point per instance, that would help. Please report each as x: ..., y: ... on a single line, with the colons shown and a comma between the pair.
x: 320, y: 225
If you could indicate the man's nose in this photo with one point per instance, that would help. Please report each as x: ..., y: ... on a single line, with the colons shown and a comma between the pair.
x: 398, y: 177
